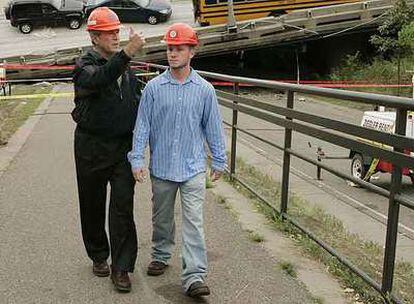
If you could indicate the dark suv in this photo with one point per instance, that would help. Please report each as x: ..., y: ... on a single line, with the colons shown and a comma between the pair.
x: 25, y: 14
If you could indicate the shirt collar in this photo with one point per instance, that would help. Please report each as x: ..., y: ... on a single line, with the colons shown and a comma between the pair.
x: 166, y: 77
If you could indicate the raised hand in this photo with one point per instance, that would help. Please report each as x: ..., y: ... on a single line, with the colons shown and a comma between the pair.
x: 136, y: 42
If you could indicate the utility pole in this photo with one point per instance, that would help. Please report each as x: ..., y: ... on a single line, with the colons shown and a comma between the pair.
x: 297, y: 67
x: 412, y: 80
x: 231, y: 19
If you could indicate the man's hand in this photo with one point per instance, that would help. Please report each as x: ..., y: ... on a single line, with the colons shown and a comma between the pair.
x: 136, y: 42
x: 215, y: 175
x: 140, y: 175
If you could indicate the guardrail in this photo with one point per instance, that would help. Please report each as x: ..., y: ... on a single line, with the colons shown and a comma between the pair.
x: 338, y: 133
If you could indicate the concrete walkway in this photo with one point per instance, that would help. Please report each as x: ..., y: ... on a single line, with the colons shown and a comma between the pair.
x: 42, y: 259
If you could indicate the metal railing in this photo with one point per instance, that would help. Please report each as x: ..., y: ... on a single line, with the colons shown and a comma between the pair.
x: 309, y: 124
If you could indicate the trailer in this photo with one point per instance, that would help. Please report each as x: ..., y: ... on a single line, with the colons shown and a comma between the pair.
x: 364, y: 166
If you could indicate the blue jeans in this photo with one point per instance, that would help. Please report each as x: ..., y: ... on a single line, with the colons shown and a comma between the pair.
x: 194, y: 257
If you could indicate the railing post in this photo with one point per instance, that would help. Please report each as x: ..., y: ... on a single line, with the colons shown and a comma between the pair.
x: 286, y: 160
x: 393, y: 212
x: 319, y: 154
x: 3, y: 82
x: 234, y: 135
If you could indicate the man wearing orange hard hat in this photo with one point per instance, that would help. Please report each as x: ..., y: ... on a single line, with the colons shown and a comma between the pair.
x: 178, y: 114
x: 106, y: 103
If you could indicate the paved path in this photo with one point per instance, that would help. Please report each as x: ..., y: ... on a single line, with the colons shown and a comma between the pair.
x: 42, y: 259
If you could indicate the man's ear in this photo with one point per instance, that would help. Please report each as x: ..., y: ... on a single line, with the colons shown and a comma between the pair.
x: 94, y: 37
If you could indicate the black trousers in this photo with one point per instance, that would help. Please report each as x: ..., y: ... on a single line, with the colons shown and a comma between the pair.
x: 100, y: 161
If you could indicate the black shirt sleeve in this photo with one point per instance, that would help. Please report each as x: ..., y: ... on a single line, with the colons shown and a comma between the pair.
x: 89, y: 75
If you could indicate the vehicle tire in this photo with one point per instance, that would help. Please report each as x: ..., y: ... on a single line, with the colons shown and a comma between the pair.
x: 74, y: 23
x: 152, y: 19
x: 412, y: 178
x: 358, y: 168
x: 25, y: 28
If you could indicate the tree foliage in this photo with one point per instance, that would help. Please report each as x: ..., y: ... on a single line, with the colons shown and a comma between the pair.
x: 387, y: 40
x: 406, y: 36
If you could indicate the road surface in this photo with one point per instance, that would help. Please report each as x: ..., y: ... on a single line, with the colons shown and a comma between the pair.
x: 47, y: 40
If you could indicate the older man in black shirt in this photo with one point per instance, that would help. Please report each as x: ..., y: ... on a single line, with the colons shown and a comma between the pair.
x: 106, y: 103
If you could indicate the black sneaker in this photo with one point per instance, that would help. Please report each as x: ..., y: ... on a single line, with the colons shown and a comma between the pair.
x: 198, y: 289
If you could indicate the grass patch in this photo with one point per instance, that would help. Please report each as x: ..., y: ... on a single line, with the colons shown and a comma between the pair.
x: 227, y: 207
x: 221, y: 199
x: 13, y: 113
x: 289, y: 268
x: 318, y: 300
x: 256, y: 237
x: 367, y: 256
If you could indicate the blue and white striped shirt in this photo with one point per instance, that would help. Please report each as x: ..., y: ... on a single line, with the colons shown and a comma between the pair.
x: 177, y: 119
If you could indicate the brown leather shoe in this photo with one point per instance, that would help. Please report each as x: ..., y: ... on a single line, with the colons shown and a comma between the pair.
x: 198, y: 289
x: 121, y: 280
x: 100, y: 269
x: 156, y: 268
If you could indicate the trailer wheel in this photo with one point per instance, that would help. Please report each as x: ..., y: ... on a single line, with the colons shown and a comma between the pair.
x: 358, y: 169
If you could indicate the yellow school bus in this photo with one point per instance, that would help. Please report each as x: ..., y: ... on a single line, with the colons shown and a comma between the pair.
x: 211, y: 12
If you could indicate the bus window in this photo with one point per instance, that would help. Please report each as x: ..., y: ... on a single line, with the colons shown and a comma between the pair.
x: 211, y: 2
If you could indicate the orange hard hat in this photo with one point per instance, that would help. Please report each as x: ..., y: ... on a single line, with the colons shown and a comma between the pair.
x: 180, y: 33
x: 103, y: 19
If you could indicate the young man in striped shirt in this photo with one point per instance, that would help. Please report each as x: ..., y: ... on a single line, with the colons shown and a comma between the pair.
x: 178, y: 114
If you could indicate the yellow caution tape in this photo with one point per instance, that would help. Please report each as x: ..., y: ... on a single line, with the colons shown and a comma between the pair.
x: 33, y: 96
x: 371, y: 169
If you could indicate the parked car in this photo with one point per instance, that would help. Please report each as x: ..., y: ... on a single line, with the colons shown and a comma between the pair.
x: 61, y: 5
x: 151, y: 11
x: 26, y: 14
